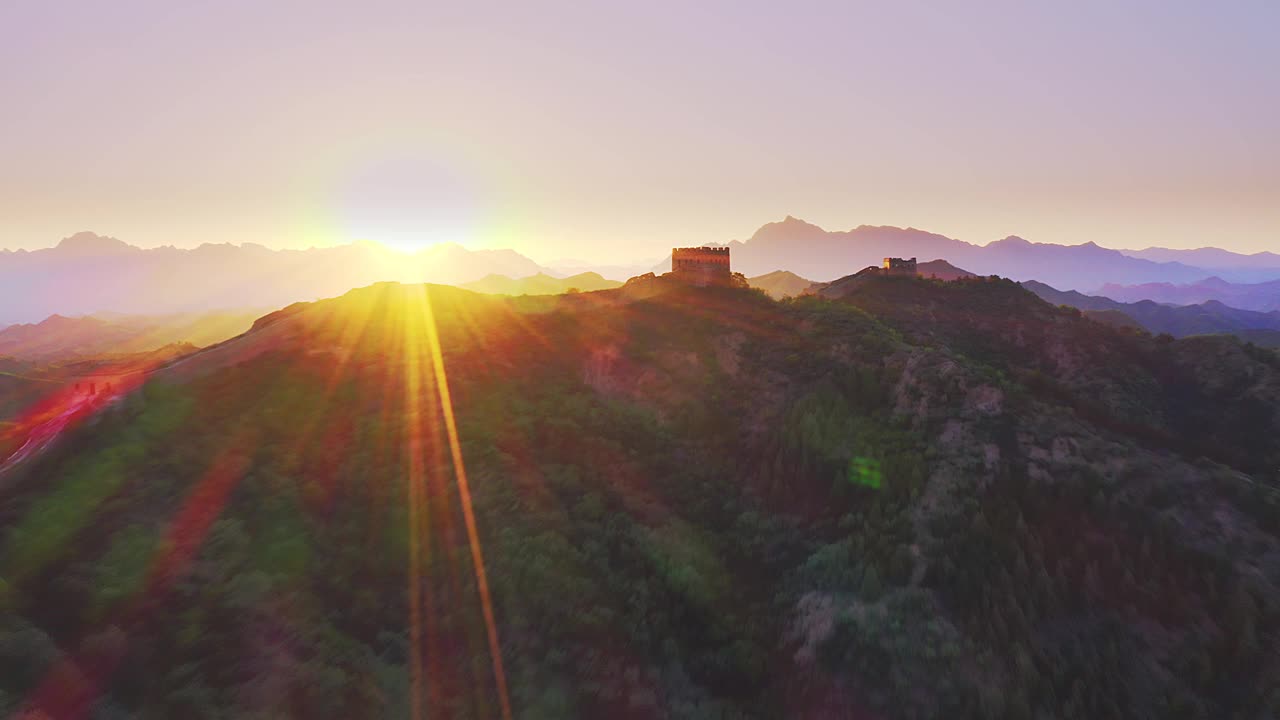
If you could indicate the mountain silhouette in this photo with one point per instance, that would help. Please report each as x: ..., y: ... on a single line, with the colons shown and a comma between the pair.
x: 813, y: 252
x: 1263, y: 297
x: 1211, y: 258
x: 1207, y: 318
x: 88, y: 273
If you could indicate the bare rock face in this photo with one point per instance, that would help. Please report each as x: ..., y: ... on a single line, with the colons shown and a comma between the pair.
x: 728, y: 352
x: 986, y: 399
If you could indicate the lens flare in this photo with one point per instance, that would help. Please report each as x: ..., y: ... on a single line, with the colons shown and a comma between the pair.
x: 424, y: 309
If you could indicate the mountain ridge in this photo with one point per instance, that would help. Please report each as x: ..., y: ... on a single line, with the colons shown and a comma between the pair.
x: 1077, y: 266
x: 58, y: 338
x: 1209, y: 257
x: 540, y: 284
x: 87, y: 273
x: 701, y: 499
x: 811, y: 251
x: 1261, y: 297
x: 1210, y: 317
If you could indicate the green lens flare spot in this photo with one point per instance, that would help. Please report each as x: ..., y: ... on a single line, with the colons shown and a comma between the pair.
x: 865, y: 471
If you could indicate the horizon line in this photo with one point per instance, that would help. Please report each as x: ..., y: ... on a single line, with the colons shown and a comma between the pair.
x: 400, y: 249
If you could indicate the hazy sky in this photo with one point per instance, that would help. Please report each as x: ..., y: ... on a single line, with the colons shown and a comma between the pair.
x: 610, y: 130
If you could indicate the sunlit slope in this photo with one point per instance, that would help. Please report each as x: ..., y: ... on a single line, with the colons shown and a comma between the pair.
x: 58, y: 339
x: 924, y: 499
x: 541, y: 284
x: 780, y: 283
x: 40, y: 400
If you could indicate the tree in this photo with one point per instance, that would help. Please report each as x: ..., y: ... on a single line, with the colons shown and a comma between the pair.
x: 871, y: 587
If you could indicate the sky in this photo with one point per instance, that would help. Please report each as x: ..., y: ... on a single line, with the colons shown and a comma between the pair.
x: 611, y: 131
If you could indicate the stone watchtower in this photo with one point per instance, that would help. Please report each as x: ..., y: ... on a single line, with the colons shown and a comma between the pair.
x: 701, y: 265
x: 898, y: 266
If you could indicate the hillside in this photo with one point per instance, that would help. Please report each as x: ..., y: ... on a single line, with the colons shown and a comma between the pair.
x: 922, y: 499
x: 932, y: 270
x: 1114, y: 318
x: 780, y: 284
x: 540, y: 284
x: 38, y: 400
x: 1208, y: 318
x: 19, y: 390
x: 1263, y: 338
x: 942, y: 270
x: 59, y: 338
x: 783, y: 284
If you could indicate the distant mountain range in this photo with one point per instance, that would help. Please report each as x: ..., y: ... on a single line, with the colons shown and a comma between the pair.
x: 1207, y: 318
x: 88, y: 273
x: 1264, y: 297
x: 59, y: 338
x: 811, y: 251
x: 1209, y: 257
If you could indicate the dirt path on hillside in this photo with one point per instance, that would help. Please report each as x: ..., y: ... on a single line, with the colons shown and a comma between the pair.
x: 74, y: 405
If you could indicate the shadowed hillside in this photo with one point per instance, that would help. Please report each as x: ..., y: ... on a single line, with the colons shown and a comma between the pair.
x: 922, y: 499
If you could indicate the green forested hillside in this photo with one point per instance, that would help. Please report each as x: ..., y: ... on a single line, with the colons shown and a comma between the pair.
x: 924, y: 499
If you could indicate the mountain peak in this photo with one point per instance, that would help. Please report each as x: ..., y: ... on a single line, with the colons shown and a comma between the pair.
x: 58, y: 323
x: 788, y: 228
x: 86, y: 242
